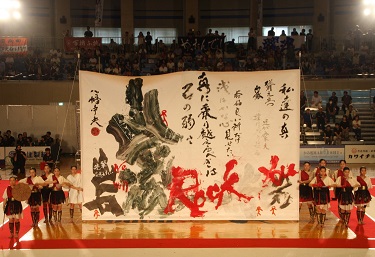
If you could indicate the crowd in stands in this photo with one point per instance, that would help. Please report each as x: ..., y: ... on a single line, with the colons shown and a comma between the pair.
x: 23, y: 139
x: 334, y: 121
x: 140, y: 56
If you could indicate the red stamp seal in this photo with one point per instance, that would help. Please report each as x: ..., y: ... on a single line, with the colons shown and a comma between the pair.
x: 95, y: 131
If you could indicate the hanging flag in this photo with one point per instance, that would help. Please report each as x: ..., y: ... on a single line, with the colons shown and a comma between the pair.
x: 99, y: 13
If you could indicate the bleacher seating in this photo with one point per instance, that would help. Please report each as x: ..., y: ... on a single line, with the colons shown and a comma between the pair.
x: 362, y: 100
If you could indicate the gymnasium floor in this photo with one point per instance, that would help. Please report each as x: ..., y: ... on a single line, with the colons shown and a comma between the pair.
x: 193, y: 238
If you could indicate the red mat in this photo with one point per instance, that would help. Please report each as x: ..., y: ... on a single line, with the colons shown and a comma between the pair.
x: 200, y: 243
x: 362, y: 231
x: 3, y: 185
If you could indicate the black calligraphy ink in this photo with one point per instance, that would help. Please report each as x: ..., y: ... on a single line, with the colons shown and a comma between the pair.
x: 95, y: 100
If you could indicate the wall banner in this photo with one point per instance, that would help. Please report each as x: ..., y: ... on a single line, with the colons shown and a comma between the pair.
x: 282, y: 42
x: 13, y: 45
x: 329, y: 153
x: 360, y: 153
x: 34, y: 154
x: 75, y: 43
x: 190, y: 145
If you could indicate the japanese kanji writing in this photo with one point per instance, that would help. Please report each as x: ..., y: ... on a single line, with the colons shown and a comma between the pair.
x: 206, y: 132
x: 188, y: 121
x: 285, y: 107
x: 95, y: 100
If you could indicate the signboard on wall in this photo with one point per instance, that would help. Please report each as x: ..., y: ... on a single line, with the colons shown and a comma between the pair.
x: 329, y: 153
x: 360, y: 153
x: 13, y: 45
x: 190, y: 145
x: 34, y: 154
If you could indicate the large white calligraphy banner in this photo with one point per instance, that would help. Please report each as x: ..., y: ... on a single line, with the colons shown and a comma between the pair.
x: 190, y: 145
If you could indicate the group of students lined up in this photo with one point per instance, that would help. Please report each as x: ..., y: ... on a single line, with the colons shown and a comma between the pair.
x: 46, y: 191
x: 349, y: 191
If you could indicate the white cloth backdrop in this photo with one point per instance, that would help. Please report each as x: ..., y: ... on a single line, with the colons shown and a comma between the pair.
x: 216, y: 146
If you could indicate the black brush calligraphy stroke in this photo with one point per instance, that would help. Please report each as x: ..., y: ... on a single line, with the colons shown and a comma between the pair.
x: 105, y: 204
x: 142, y: 137
x: 154, y: 123
x: 134, y: 96
x: 287, y: 202
x: 127, y: 176
x: 278, y: 192
x: 166, y: 174
x: 281, y: 188
x: 104, y: 169
x: 133, y: 198
x: 135, y: 151
x: 125, y: 132
x: 98, y: 180
x: 146, y: 198
x: 101, y: 188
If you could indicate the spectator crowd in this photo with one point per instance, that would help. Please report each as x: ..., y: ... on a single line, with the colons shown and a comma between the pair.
x: 334, y: 121
x: 7, y: 139
x: 141, y: 55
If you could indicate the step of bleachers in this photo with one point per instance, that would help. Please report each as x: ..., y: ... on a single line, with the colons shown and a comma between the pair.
x: 367, y: 133
x: 364, y: 110
x: 349, y: 142
x: 368, y: 129
x: 365, y: 117
x: 312, y: 134
x: 369, y: 122
x: 315, y: 142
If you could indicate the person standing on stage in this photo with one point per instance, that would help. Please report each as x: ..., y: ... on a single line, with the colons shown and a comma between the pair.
x: 35, y: 200
x: 12, y: 209
x: 75, y: 191
x: 305, y: 191
x: 47, y: 158
x: 362, y: 196
x: 46, y: 192
x: 19, y: 161
x: 339, y: 173
x: 346, y: 197
x: 321, y: 185
x: 57, y: 197
x: 322, y: 163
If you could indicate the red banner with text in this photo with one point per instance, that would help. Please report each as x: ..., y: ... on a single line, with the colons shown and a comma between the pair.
x: 73, y: 43
x: 13, y: 45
